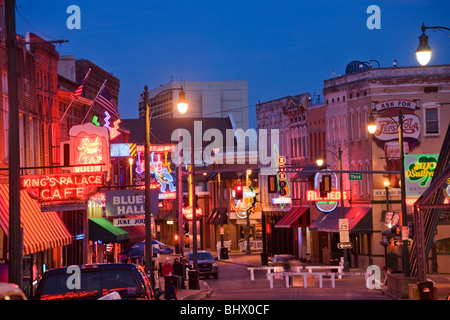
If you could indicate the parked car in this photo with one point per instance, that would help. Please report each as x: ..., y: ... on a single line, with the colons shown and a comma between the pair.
x: 283, y: 260
x: 95, y: 281
x: 11, y: 291
x: 206, y: 264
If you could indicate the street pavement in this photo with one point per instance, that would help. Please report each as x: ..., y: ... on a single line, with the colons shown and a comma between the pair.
x: 351, y: 287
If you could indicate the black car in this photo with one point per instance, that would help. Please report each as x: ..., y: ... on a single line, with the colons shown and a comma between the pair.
x: 206, y: 264
x: 95, y: 281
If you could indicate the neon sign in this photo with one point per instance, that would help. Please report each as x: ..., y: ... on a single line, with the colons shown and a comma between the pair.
x: 325, y: 204
x: 113, y: 132
x: 160, y: 167
x: 90, y: 152
x: 62, y: 187
x: 283, y: 185
x: 187, y: 213
x: 335, y: 195
x: 419, y: 170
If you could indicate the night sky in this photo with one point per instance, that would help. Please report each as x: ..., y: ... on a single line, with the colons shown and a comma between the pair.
x: 280, y: 47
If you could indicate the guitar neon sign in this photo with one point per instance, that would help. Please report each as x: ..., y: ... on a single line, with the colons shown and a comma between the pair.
x: 160, y: 170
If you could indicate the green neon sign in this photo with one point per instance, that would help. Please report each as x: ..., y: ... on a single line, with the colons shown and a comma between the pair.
x: 419, y: 170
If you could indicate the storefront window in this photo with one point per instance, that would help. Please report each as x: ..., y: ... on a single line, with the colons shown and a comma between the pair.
x: 443, y: 246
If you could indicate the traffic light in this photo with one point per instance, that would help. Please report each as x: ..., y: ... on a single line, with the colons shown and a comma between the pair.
x: 396, y: 230
x: 185, y: 201
x: 325, y: 185
x: 239, y: 192
x: 411, y: 231
x: 254, y: 202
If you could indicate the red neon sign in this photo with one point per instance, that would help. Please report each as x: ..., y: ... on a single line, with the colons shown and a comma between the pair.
x: 314, y: 195
x: 62, y: 187
x: 90, y: 152
x: 187, y: 213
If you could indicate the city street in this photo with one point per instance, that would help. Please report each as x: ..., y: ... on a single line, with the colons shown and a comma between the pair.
x: 234, y: 284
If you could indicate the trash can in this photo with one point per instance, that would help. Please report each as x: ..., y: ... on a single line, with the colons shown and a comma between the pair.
x: 171, y: 280
x: 193, y: 280
x: 223, y: 253
x: 425, y: 290
x: 264, y: 258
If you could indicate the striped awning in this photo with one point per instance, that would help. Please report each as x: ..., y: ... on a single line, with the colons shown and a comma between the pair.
x: 41, y: 230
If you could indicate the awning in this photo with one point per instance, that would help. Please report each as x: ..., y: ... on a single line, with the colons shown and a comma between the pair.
x: 295, y: 218
x: 212, y: 216
x: 359, y: 220
x: 135, y: 233
x: 215, y: 216
x: 41, y: 230
x: 101, y: 229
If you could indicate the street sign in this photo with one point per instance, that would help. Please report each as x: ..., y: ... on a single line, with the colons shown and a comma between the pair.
x: 405, y: 233
x: 355, y: 176
x: 345, y: 245
x: 343, y: 231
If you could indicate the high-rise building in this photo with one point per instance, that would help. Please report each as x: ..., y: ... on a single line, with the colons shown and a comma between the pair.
x: 209, y: 99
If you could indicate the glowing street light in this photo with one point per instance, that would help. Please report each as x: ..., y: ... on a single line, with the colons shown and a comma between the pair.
x: 423, y: 52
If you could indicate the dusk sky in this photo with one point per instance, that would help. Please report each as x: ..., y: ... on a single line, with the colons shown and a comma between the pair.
x: 281, y: 48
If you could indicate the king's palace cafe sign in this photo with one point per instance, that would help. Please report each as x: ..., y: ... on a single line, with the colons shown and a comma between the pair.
x: 64, y: 187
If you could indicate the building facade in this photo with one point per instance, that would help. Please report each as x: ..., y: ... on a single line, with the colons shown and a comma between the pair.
x: 421, y: 94
x: 208, y: 99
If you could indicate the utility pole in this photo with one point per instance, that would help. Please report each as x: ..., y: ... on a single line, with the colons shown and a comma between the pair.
x: 15, y: 230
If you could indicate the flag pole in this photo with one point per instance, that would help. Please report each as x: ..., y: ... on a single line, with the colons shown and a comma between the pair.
x: 73, y: 97
x: 93, y: 102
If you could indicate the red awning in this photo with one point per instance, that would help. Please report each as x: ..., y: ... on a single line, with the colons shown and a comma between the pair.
x: 136, y: 233
x: 291, y: 219
x: 41, y: 230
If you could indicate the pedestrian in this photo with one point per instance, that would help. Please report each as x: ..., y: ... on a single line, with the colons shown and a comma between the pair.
x: 167, y: 268
x: 178, y: 271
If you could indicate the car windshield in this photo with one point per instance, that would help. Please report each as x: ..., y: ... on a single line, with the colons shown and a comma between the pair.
x: 201, y: 256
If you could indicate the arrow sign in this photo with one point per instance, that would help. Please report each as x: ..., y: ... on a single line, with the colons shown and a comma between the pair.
x: 345, y: 245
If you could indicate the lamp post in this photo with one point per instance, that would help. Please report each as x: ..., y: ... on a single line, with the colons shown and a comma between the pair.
x: 423, y: 52
x: 182, y: 107
x: 320, y: 162
x: 372, y: 127
x: 386, y: 187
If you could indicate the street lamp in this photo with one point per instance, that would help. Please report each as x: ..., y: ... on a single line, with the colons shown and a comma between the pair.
x: 386, y: 187
x: 372, y: 127
x: 320, y: 162
x: 423, y: 52
x: 181, y: 105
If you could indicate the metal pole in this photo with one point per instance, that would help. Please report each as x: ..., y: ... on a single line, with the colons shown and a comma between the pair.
x: 220, y: 212
x: 15, y: 239
x: 148, y: 217
x: 180, y: 197
x: 403, y: 193
x: 194, y: 216
x: 341, y: 186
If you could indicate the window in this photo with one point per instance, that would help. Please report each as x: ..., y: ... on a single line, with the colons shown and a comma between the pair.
x: 6, y: 125
x: 443, y: 246
x: 431, y: 121
x: 4, y: 81
x: 359, y: 124
x: 352, y: 126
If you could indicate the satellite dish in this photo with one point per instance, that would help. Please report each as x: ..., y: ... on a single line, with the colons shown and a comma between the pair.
x: 356, y: 66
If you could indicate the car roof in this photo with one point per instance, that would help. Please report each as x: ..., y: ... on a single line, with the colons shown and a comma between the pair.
x: 7, y: 289
x: 95, y: 266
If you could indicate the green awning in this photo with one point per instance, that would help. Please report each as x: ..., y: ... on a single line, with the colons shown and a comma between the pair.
x: 101, y: 229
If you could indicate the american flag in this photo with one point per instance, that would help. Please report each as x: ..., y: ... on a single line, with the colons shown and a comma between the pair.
x: 106, y: 102
x: 77, y: 93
